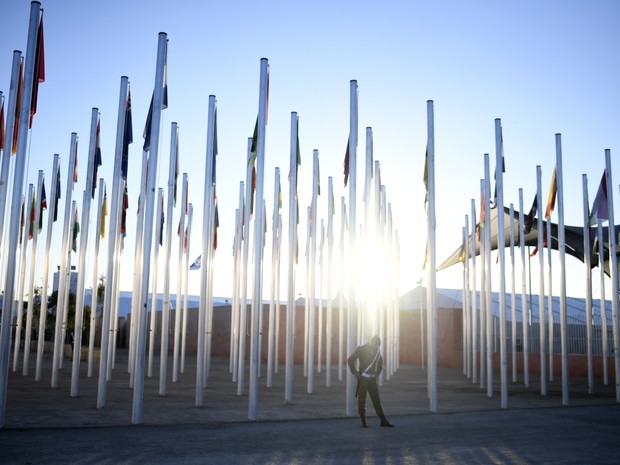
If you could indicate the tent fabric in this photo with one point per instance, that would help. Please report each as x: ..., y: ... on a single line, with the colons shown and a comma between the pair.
x: 573, y: 234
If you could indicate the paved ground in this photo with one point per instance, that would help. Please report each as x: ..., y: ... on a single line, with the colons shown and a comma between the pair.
x: 48, y: 426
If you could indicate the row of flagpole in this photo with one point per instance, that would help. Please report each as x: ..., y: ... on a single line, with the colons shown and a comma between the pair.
x: 478, y: 319
x: 357, y: 323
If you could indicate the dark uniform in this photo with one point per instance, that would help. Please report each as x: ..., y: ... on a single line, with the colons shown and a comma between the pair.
x: 366, y: 364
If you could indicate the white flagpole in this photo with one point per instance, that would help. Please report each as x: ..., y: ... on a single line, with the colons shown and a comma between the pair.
x: 489, y: 274
x: 148, y: 221
x: 550, y: 325
x: 312, y: 297
x: 158, y: 239
x: 137, y: 274
x: 330, y: 293
x: 465, y: 302
x: 320, y: 301
x: 65, y: 265
x: 243, y: 304
x: 307, y: 290
x: 432, y: 304
x: 165, y: 318
x: 276, y: 359
x: 95, y: 283
x: 341, y: 306
x: 272, y: 297
x: 474, y: 297
x: 351, y: 304
x: 206, y: 257
x: 117, y: 183
x: 587, y: 261
x: 513, y: 296
x: 178, y: 300
x: 18, y: 183
x: 502, y: 261
x: 258, y: 239
x: 236, y: 303
x: 292, y: 247
x: 483, y: 283
x: 603, y: 302
x: 18, y: 306
x: 8, y: 143
x: 190, y: 213
x: 81, y: 277
x: 562, y: 250
x: 613, y: 272
x: 524, y: 313
x: 541, y: 295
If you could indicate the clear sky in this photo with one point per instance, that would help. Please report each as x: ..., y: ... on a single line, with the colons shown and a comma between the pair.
x: 543, y: 67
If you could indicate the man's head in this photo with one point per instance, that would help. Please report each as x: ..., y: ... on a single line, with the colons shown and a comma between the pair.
x: 375, y: 341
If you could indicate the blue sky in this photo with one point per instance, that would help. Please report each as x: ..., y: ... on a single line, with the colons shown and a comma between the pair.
x: 542, y: 67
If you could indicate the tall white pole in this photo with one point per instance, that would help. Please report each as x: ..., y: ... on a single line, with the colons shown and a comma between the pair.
x: 613, y: 271
x: 541, y: 295
x: 165, y: 315
x: 513, y: 296
x: 79, y: 298
x: 550, y: 322
x: 117, y: 183
x: 205, y: 254
x: 176, y: 366
x: 274, y: 259
x: 8, y: 143
x: 258, y: 239
x: 502, y: 261
x: 65, y: 264
x: 46, y: 267
x: 525, y: 321
x: 465, y: 335
x: 190, y: 214
x: 562, y: 250
x: 95, y: 278
x: 474, y: 297
x: 489, y: 274
x: 330, y: 293
x: 603, y: 302
x: 587, y: 261
x: 236, y: 305
x: 351, y: 304
x: 158, y: 238
x: 292, y: 248
x: 432, y: 291
x: 312, y: 296
x: 341, y: 304
x: 483, y: 281
x: 243, y: 304
x: 136, y: 417
x: 33, y: 262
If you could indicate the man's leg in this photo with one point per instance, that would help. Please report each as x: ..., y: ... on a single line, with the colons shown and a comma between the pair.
x: 373, y: 391
x: 362, y: 388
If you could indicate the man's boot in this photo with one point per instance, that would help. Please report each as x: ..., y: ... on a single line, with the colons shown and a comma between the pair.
x: 363, y: 420
x: 385, y: 422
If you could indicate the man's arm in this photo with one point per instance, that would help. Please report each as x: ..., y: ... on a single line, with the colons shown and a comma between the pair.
x: 351, y: 362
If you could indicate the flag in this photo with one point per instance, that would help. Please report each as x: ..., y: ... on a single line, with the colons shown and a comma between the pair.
x: 253, y: 148
x: 75, y: 168
x: 253, y: 191
x: 124, y: 213
x: 552, y: 193
x: 196, y: 264
x: 18, y: 100
x: 216, y: 225
x: 176, y: 167
x: 76, y: 230
x: 214, y: 145
x: 2, y: 124
x: 33, y: 212
x: 97, y: 162
x: 494, y: 203
x: 545, y: 244
x: 529, y: 219
x: 161, y: 223
x: 57, y: 196
x: 425, y: 178
x: 483, y: 221
x: 146, y: 134
x: 346, y: 166
x: 22, y: 223
x: 42, y: 205
x: 600, y: 209
x: 104, y: 212
x: 39, y: 70
x: 127, y: 137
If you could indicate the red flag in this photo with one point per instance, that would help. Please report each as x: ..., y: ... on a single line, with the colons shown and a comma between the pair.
x: 39, y: 70
x: 18, y: 100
